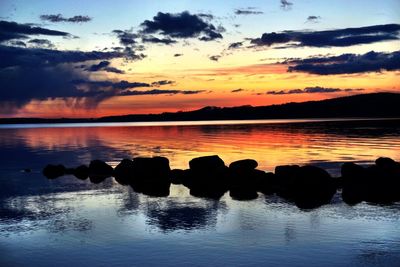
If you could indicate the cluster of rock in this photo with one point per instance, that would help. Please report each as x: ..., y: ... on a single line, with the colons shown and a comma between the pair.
x: 209, y: 177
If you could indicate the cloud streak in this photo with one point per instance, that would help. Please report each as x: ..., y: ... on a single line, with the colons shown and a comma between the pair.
x: 10, y: 30
x: 347, y: 63
x: 331, y: 38
x: 61, y: 18
x: 312, y: 90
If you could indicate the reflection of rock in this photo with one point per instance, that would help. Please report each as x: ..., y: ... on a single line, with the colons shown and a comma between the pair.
x: 151, y: 176
x: 175, y: 216
x: 81, y: 172
x: 207, y: 177
x: 379, y: 183
x: 123, y: 172
x: 53, y: 171
x: 307, y: 186
x: 99, y: 170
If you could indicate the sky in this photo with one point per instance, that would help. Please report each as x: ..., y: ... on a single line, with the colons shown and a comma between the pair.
x: 100, y: 58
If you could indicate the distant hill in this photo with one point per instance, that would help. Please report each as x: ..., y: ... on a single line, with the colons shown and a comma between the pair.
x: 373, y: 105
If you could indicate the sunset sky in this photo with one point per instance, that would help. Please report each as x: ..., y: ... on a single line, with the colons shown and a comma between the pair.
x: 98, y: 58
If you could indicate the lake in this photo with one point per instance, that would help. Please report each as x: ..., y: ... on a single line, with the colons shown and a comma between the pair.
x: 70, y: 222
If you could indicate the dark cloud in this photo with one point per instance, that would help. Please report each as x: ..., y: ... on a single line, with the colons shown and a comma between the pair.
x: 60, y: 18
x: 311, y: 90
x: 17, y: 43
x: 247, y: 12
x: 181, y: 25
x: 331, y: 38
x: 235, y: 45
x: 313, y: 19
x: 13, y: 30
x: 348, y: 63
x: 237, y: 90
x: 178, y: 55
x: 28, y: 74
x: 155, y: 40
x: 126, y: 38
x: 37, y: 57
x: 41, y: 43
x: 104, y: 66
x: 286, y: 5
x: 215, y: 57
x: 206, y: 16
x: 163, y: 82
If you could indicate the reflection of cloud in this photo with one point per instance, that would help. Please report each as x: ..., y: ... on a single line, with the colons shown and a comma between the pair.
x: 175, y: 216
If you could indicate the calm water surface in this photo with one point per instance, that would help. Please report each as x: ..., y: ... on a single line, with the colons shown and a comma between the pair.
x: 68, y: 222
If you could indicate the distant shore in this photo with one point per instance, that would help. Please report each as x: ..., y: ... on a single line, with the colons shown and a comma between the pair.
x: 356, y: 107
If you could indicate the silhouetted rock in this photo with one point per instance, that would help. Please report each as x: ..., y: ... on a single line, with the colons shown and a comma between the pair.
x: 207, y: 163
x: 81, y: 172
x: 243, y: 165
x: 124, y: 172
x: 386, y: 163
x: 307, y: 186
x: 151, y: 176
x: 266, y: 182
x: 243, y: 179
x: 53, y: 171
x: 178, y: 176
x: 207, y: 177
x: 354, y: 183
x: 99, y: 170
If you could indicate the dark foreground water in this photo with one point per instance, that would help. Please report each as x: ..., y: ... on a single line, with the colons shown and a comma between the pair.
x: 68, y: 222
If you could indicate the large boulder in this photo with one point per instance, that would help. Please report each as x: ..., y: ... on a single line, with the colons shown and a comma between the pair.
x: 243, y: 165
x: 379, y: 183
x: 151, y: 176
x: 53, y: 171
x: 307, y: 186
x: 354, y: 183
x: 124, y: 172
x: 99, y: 171
x: 243, y: 179
x: 207, y: 177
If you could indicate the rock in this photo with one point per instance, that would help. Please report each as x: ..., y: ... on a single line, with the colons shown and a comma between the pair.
x: 53, y: 171
x: 99, y: 171
x: 151, y: 176
x: 266, y: 182
x: 207, y: 163
x: 315, y: 187
x: 354, y: 182
x: 244, y: 165
x: 207, y: 177
x: 124, y: 172
x: 307, y: 186
x: 386, y: 163
x: 178, y: 176
x: 244, y: 179
x: 81, y: 172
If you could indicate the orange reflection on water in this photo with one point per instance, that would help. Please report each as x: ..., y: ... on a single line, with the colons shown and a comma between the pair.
x: 269, y: 144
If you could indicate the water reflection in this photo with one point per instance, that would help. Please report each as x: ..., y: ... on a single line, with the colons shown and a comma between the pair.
x: 70, y: 221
